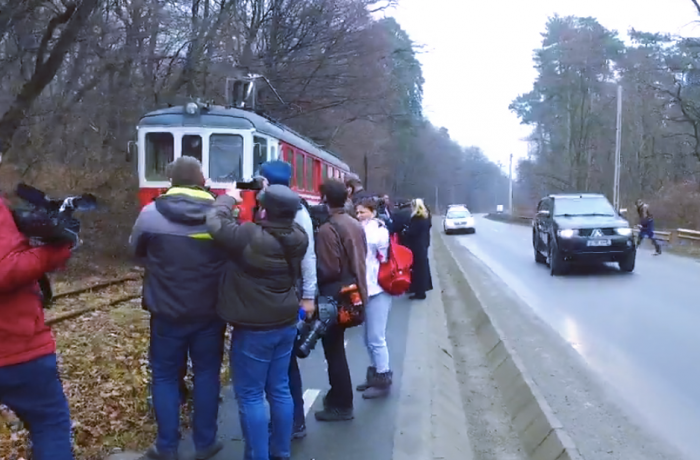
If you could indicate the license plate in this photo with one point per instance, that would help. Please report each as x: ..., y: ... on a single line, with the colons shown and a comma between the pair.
x: 598, y: 243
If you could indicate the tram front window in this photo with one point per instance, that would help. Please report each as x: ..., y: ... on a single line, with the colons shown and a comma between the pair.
x: 192, y: 146
x: 159, y: 153
x: 225, y: 157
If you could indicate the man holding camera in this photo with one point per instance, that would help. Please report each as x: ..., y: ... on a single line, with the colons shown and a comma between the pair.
x: 29, y: 382
x: 280, y: 173
x: 341, y: 249
x: 181, y: 284
x: 258, y: 296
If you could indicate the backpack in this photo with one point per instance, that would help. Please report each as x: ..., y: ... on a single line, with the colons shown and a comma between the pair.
x: 395, y: 273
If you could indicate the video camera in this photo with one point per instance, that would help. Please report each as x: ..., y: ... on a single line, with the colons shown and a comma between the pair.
x: 308, y: 333
x: 249, y: 192
x: 50, y: 222
x: 47, y: 221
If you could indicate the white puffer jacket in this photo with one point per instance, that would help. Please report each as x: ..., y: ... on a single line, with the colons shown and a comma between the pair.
x: 377, y: 250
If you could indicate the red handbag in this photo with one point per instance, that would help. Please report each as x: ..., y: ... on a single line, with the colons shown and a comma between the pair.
x: 395, y: 273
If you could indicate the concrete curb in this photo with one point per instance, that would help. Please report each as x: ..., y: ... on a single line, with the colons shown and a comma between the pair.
x: 430, y: 420
x: 539, y: 430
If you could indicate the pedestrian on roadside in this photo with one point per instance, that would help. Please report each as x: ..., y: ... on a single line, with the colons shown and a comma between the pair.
x: 646, y: 226
x: 417, y: 238
x: 183, y: 268
x: 280, y: 173
x: 258, y: 297
x: 379, y: 376
x: 341, y: 251
x: 30, y: 384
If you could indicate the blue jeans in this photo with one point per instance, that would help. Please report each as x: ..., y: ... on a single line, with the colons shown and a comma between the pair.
x: 260, y: 364
x: 170, y: 344
x: 33, y: 391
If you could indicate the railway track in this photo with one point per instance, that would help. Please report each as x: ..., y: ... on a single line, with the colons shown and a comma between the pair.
x: 97, y: 296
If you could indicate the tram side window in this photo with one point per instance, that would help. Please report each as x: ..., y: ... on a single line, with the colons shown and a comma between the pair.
x: 225, y: 157
x: 160, y: 152
x: 324, y: 171
x: 259, y: 153
x: 299, y: 167
x: 309, y: 173
x: 192, y: 146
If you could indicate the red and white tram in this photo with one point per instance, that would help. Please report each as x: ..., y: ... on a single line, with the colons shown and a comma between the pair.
x: 231, y: 143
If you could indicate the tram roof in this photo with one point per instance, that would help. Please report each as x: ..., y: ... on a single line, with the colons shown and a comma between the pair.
x: 214, y: 116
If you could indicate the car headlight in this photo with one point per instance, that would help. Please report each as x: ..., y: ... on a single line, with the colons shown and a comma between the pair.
x: 448, y: 223
x: 470, y: 221
x: 624, y: 231
x: 567, y: 233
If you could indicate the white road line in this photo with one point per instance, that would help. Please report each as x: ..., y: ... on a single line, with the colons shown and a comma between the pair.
x: 310, y: 397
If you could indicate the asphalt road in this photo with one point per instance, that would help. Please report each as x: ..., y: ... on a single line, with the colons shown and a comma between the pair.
x: 369, y: 436
x: 637, y: 331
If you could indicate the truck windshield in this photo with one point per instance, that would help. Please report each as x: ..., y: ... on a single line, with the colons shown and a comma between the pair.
x: 589, y: 206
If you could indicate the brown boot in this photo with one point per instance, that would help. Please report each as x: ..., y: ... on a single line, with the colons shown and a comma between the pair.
x: 371, y: 372
x: 380, y: 386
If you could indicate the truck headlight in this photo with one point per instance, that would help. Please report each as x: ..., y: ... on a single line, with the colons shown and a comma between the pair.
x: 567, y: 233
x: 624, y: 231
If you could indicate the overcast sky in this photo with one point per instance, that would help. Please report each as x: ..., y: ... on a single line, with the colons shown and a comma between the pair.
x: 477, y: 56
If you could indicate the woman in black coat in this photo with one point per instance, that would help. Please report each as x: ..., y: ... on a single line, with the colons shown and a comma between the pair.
x: 417, y: 237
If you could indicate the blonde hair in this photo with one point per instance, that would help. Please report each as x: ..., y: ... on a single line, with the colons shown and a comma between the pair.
x: 418, y: 209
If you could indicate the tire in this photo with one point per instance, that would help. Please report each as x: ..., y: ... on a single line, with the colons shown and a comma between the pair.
x: 556, y: 263
x: 627, y: 264
x: 539, y: 258
x: 447, y: 232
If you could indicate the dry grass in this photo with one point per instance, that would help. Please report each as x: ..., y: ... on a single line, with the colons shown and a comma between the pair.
x: 103, y: 357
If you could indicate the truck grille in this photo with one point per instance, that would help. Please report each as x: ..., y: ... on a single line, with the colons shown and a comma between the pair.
x: 588, y: 231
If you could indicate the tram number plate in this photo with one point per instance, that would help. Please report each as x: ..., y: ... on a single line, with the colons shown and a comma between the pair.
x: 598, y: 243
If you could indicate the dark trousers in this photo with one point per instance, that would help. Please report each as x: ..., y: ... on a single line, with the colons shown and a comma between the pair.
x: 341, y: 394
x: 33, y: 391
x: 295, y: 387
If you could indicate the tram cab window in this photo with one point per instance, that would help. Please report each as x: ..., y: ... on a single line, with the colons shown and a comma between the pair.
x: 259, y: 153
x: 192, y: 146
x: 225, y: 157
x: 160, y: 151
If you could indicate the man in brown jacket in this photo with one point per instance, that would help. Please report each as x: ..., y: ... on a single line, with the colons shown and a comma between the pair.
x: 341, y: 250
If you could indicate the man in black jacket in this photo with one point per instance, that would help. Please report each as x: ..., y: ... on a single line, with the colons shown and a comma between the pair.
x: 258, y: 297
x: 183, y: 267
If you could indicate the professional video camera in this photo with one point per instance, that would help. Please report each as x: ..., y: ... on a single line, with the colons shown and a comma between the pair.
x: 249, y: 192
x: 50, y: 222
x: 47, y: 221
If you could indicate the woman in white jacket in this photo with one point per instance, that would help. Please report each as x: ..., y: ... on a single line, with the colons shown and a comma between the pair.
x: 379, y: 375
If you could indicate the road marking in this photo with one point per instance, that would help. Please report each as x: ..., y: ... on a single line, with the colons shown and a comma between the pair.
x: 310, y: 397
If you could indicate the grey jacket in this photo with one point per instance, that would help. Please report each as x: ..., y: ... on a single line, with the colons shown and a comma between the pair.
x: 308, y: 263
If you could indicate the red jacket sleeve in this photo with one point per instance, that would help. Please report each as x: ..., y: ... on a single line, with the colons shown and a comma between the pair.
x: 21, y: 264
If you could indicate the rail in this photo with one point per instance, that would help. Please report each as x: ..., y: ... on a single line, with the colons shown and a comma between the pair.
x: 681, y: 236
x: 67, y: 315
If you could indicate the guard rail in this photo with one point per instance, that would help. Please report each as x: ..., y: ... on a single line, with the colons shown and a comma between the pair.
x: 680, y: 236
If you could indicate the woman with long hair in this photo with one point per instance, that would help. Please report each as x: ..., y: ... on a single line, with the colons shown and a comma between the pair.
x: 418, y: 241
x: 379, y: 375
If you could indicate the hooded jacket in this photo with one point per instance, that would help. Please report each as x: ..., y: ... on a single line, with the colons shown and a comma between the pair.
x: 23, y: 334
x: 263, y: 261
x: 183, y: 265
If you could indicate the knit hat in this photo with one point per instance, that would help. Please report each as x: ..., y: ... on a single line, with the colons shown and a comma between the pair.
x: 277, y: 172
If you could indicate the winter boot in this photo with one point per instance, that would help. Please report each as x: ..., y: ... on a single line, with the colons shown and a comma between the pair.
x: 380, y: 386
x: 371, y: 372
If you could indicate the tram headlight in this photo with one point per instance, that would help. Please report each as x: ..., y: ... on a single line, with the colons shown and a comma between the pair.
x: 191, y: 108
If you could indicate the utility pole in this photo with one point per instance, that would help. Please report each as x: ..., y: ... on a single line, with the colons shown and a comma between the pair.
x: 618, y: 142
x: 510, y: 185
x: 437, y: 208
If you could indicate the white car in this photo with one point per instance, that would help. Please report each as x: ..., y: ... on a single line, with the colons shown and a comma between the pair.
x: 458, y: 220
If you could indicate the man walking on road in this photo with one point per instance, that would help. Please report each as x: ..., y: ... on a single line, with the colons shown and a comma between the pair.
x: 646, y: 226
x: 341, y: 248
x: 181, y: 284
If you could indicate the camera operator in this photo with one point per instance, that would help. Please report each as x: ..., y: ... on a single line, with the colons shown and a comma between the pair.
x: 280, y: 173
x: 183, y: 270
x: 29, y: 382
x: 258, y: 296
x: 341, y: 249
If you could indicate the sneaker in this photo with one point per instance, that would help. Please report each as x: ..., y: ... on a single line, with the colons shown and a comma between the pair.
x: 153, y: 454
x: 333, y: 414
x: 206, y: 454
x: 299, y: 431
